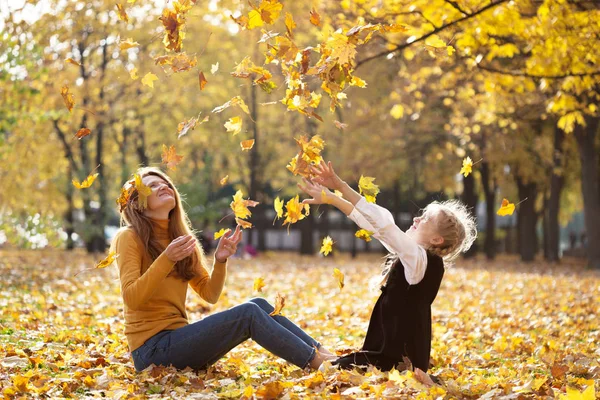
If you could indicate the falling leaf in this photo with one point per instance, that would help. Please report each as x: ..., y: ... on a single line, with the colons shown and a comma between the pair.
x: 122, y: 14
x: 326, y: 246
x: 278, y: 205
x: 83, y: 132
x: 173, y: 21
x: 266, y: 13
x: 128, y: 44
x: 202, y: 80
x: 339, y: 275
x: 143, y: 192
x: 87, y: 182
x: 214, y: 68
x: 259, y: 284
x: 247, y: 144
x: 112, y: 256
x: 234, y: 125
x: 125, y: 195
x: 309, y: 154
x: 134, y: 74
x: 243, y: 224
x: 467, y: 167
x: 364, y: 234
x: 507, y: 208
x: 221, y: 232
x: 179, y: 62
x: 185, y: 126
x: 315, y: 18
x: 170, y: 158
x: 356, y: 81
x: 67, y: 97
x: 223, y: 180
x: 367, y: 188
x: 71, y: 61
x: 236, y: 101
x: 295, y: 211
x: 340, y: 125
x: 149, y: 79
x: 240, y: 206
x: 290, y: 25
x: 279, y: 304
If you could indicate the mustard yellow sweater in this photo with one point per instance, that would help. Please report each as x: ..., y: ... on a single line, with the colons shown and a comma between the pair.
x: 153, y: 301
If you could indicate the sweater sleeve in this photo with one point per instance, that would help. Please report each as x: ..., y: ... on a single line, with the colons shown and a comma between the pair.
x: 381, y: 222
x: 138, y: 288
x: 210, y: 287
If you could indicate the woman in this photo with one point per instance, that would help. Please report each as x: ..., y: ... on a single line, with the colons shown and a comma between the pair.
x: 158, y: 258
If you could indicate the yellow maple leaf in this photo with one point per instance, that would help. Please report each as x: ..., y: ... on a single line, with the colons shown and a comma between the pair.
x: 243, y: 224
x: 170, y: 157
x: 112, y: 256
x: 295, y: 211
x: 247, y: 144
x: 259, y: 284
x: 235, y: 101
x: 290, y: 25
x: 143, y: 192
x: 128, y: 44
x: 67, y: 97
x: 573, y: 394
x: 279, y: 304
x: 87, y: 182
x: 339, y: 275
x: 315, y: 18
x: 364, y: 234
x: 326, y: 246
x: 467, y: 167
x: 507, y: 208
x: 223, y: 180
x: 367, y: 188
x: 278, y: 205
x: 234, y: 125
x: 221, y: 232
x: 149, y: 79
x: 134, y: 74
x: 240, y: 206
x: 397, y: 111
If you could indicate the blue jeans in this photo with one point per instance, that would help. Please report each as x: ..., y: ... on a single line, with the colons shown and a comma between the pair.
x: 204, y: 342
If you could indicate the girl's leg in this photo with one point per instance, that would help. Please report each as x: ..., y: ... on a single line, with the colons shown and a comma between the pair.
x: 199, y: 344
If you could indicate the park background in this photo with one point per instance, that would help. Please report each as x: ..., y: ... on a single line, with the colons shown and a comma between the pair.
x: 400, y: 91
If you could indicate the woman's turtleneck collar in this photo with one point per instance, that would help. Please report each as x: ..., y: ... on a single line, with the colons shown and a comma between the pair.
x: 160, y: 228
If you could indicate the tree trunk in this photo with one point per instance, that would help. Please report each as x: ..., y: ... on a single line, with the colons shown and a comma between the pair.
x: 69, y: 229
x: 527, y: 220
x: 254, y: 168
x: 557, y: 182
x: 489, y: 192
x: 306, y: 235
x: 588, y: 154
x: 469, y: 197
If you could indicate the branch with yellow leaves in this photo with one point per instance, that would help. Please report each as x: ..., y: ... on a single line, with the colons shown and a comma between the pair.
x: 433, y: 32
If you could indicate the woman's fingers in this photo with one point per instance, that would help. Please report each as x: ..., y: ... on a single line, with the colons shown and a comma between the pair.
x: 310, y: 201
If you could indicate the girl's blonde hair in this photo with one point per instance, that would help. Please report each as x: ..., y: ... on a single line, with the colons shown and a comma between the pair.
x: 456, y: 225
x: 132, y: 216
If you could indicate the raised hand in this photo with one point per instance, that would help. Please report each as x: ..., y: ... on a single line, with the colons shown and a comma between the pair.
x: 180, y: 248
x: 319, y: 193
x: 326, y: 176
x: 228, y: 245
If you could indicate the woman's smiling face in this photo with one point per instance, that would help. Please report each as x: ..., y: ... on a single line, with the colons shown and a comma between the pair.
x: 162, y: 196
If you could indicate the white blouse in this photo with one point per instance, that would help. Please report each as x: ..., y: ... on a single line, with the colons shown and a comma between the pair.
x: 379, y: 220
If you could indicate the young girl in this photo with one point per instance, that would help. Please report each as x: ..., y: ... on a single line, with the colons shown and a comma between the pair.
x: 400, y: 324
x: 158, y: 258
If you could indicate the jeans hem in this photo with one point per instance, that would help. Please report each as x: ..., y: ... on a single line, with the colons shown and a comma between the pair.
x: 311, y: 357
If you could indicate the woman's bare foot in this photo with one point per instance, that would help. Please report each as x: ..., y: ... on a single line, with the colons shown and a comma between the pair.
x: 323, y: 350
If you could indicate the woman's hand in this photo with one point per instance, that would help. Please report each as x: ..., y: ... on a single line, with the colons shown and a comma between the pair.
x: 320, y: 194
x: 228, y: 245
x: 326, y: 176
x: 180, y: 248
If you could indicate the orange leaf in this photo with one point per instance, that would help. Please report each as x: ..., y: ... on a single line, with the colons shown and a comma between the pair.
x: 83, y: 132
x: 223, y: 180
x: 71, y: 61
x: 202, y: 80
x: 243, y: 224
x: 279, y: 304
x: 122, y: 14
x: 87, y: 182
x: 315, y: 18
x: 247, y: 144
x: 112, y: 256
x: 170, y: 158
x: 67, y: 97
x: 340, y: 125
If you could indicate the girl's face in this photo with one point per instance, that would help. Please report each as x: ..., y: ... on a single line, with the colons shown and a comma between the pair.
x: 424, y: 231
x: 162, y: 197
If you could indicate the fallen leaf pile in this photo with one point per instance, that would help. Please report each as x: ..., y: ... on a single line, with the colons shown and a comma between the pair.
x: 499, y: 329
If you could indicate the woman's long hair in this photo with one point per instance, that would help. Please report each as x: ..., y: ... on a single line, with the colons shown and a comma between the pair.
x: 179, y: 224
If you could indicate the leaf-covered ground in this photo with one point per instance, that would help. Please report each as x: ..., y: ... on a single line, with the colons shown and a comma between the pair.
x: 501, y: 329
